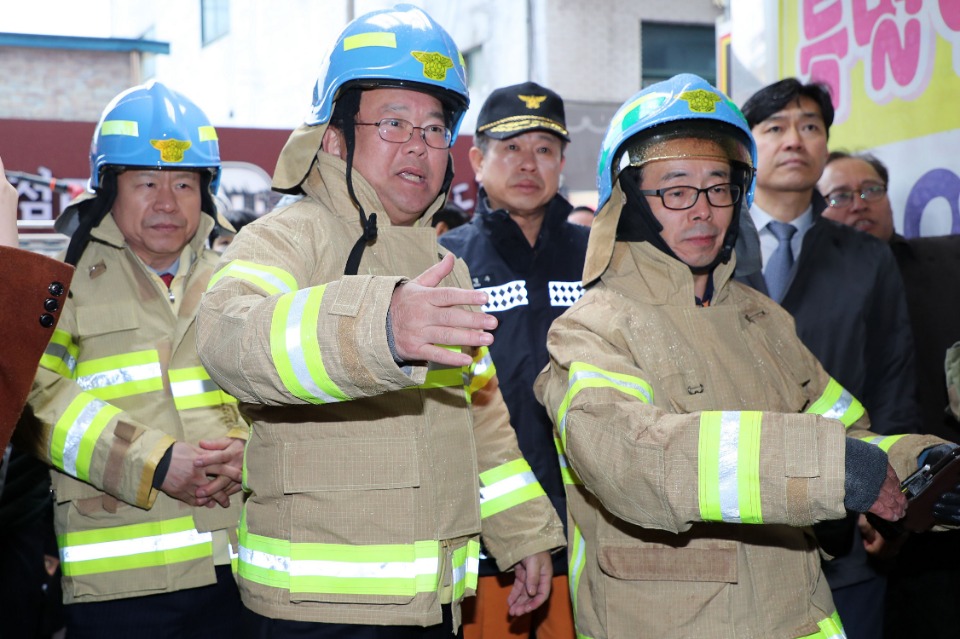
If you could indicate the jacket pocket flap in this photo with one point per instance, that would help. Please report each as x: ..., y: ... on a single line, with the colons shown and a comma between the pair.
x: 670, y: 564
x: 67, y: 488
x: 110, y: 318
x: 350, y: 465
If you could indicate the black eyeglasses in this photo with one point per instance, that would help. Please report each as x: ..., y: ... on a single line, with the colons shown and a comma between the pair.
x: 681, y: 198
x: 842, y: 199
x: 399, y: 131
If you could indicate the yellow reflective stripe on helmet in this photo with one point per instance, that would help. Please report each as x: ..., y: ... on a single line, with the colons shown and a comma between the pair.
x: 270, y: 279
x: 569, y: 475
x: 60, y: 356
x: 76, y: 432
x: 729, y: 466
x: 583, y: 375
x: 121, y: 375
x: 506, y: 486
x: 372, y: 39
x: 466, y: 568
x: 837, y: 403
x: 479, y: 373
x: 145, y: 545
x: 207, y: 133
x: 120, y: 127
x: 830, y: 628
x: 884, y: 443
x: 296, y: 348
x: 193, y: 388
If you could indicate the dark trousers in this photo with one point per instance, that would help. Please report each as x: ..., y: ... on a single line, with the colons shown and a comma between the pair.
x: 29, y: 597
x: 209, y: 612
x: 266, y: 628
x: 861, y: 608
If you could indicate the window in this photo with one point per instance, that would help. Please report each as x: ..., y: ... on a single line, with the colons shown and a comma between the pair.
x: 214, y: 19
x: 473, y: 60
x: 669, y: 49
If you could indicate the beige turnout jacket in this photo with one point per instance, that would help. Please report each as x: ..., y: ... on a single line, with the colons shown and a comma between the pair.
x: 369, y: 483
x: 119, y: 383
x: 704, y: 443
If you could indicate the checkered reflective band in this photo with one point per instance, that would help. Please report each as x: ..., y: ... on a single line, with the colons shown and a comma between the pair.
x: 565, y: 293
x: 505, y: 296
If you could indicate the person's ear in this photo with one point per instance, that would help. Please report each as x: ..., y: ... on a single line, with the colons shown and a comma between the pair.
x: 333, y: 142
x: 476, y: 161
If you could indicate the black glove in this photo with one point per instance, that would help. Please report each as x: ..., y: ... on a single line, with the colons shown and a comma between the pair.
x: 946, y: 510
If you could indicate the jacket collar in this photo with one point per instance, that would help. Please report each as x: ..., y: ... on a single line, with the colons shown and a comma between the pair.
x: 638, y: 270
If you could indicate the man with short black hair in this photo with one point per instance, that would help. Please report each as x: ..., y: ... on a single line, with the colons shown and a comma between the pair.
x: 845, y: 293
x: 528, y: 258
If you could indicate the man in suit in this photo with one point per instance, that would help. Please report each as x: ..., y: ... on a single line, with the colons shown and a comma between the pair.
x: 924, y: 584
x: 845, y: 293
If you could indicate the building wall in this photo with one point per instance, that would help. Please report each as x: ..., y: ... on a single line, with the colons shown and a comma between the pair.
x: 58, y: 84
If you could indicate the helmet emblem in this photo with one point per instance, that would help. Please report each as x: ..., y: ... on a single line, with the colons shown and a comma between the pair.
x: 171, y: 150
x: 532, y: 101
x: 435, y: 65
x: 701, y: 100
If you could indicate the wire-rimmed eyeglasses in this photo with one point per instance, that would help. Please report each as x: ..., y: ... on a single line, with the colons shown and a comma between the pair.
x: 843, y: 198
x: 399, y: 131
x: 681, y: 198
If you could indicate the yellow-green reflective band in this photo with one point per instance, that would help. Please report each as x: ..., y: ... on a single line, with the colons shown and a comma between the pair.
x: 569, y: 475
x: 296, y: 349
x: 376, y: 570
x: 372, y: 39
x: 439, y: 376
x: 121, y: 375
x: 583, y: 375
x: 884, y: 443
x: 193, y: 388
x: 146, y: 545
x: 480, y: 372
x: 830, y: 628
x: 207, y: 133
x: 382, y: 569
x: 506, y: 486
x: 75, y: 434
x: 60, y: 356
x: 837, y: 403
x: 120, y: 127
x: 729, y: 466
x: 263, y: 560
x: 466, y: 568
x: 270, y: 279
x: 576, y: 561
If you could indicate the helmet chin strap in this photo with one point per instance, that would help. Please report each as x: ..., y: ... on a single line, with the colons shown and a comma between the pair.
x: 638, y: 224
x: 369, y: 224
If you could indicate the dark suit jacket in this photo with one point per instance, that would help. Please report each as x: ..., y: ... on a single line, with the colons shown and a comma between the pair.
x: 848, y: 301
x: 33, y: 289
x: 930, y: 267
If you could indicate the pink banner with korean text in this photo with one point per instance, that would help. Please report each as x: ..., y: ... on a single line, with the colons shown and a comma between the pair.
x: 893, y: 68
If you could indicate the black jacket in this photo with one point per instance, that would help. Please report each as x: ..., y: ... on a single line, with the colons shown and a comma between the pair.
x: 848, y: 301
x: 529, y: 287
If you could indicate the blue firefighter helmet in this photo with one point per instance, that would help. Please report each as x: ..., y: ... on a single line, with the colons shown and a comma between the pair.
x: 151, y: 126
x: 402, y: 47
x: 683, y: 101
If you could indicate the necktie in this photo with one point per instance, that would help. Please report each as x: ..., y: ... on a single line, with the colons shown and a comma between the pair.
x: 778, y: 268
x: 167, y: 278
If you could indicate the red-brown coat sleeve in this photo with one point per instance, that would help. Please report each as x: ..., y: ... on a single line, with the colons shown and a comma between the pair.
x: 33, y: 289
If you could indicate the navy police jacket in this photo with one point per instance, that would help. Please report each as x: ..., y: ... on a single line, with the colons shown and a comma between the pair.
x: 528, y: 287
